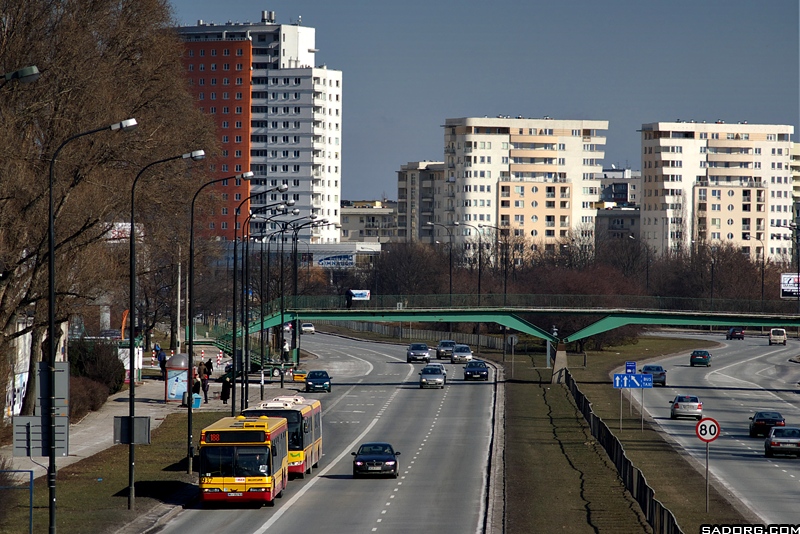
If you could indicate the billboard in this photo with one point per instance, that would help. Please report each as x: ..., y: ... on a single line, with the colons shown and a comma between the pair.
x: 789, y: 285
x: 360, y: 294
x: 340, y: 260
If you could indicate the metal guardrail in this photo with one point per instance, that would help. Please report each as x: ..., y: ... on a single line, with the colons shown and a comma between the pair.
x: 657, y: 515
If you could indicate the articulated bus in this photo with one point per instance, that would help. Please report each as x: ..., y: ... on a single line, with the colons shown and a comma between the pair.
x: 244, y: 460
x: 305, y: 429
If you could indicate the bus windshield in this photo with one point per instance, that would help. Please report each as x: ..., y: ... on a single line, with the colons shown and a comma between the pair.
x: 233, y: 461
x: 292, y: 419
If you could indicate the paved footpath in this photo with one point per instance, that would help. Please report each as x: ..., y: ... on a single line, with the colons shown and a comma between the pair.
x: 95, y: 432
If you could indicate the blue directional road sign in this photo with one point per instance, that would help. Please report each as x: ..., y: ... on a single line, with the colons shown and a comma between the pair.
x: 632, y: 381
x: 630, y: 368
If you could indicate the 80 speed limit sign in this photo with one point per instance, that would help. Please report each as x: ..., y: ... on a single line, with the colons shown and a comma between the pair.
x: 707, y: 429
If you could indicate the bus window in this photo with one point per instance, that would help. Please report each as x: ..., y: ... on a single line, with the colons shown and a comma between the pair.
x: 252, y: 462
x: 217, y: 461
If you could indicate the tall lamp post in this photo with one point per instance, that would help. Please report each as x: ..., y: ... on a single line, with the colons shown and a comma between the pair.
x: 123, y: 126
x: 763, y: 253
x: 196, y: 155
x: 450, y: 237
x: 498, y: 232
x: 190, y: 303
x: 23, y: 76
x: 480, y: 270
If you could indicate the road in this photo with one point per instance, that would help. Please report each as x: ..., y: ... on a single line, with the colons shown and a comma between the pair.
x: 444, y: 437
x: 745, y: 376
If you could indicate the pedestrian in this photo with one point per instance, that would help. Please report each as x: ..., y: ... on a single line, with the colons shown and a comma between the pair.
x: 196, y: 386
x: 285, y: 354
x: 162, y: 361
x: 349, y: 297
x: 226, y: 390
x: 201, y: 369
x: 205, y: 383
x: 209, y: 367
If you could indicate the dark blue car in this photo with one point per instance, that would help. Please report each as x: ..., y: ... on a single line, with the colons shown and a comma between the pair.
x: 476, y: 370
x: 318, y: 381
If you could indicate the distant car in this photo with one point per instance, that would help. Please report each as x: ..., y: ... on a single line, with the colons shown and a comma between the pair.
x: 476, y: 370
x: 431, y: 377
x: 318, y: 381
x: 299, y: 375
x: 777, y: 336
x: 441, y: 367
x: 782, y: 440
x: 307, y: 328
x: 461, y: 354
x: 761, y: 422
x: 418, y: 352
x: 445, y: 349
x: 658, y: 372
x: 735, y: 333
x: 700, y: 357
x: 375, y: 459
x: 686, y: 406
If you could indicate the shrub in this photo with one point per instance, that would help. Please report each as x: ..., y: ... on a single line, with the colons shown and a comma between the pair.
x: 85, y: 395
x: 97, y: 361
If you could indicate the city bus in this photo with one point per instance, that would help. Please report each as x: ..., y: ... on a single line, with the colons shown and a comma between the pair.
x: 304, y: 417
x: 244, y: 460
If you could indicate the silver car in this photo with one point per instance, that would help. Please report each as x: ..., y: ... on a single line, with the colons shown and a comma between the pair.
x: 782, y: 440
x: 418, y: 352
x: 441, y: 367
x: 686, y: 406
x: 431, y: 377
x: 461, y: 354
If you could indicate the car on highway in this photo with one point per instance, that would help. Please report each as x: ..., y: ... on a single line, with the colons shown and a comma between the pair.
x: 441, y: 367
x: 476, y: 370
x: 375, y: 459
x: 658, y: 372
x: 299, y: 375
x: 418, y: 352
x: 777, y: 336
x: 686, y: 406
x: 317, y: 380
x: 735, y: 332
x: 782, y: 440
x: 444, y: 349
x: 761, y: 423
x: 461, y: 354
x: 307, y: 328
x: 700, y: 357
x: 431, y: 377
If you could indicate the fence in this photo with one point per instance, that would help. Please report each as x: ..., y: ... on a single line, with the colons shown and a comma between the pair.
x: 10, y: 477
x: 658, y: 516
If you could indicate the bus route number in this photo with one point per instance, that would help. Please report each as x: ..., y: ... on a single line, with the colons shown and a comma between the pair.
x: 707, y: 429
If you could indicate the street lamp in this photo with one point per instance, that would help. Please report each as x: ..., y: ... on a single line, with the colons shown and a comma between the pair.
x: 763, y: 252
x: 505, y: 256
x: 480, y: 270
x: 295, y: 230
x: 450, y: 237
x: 189, y: 304
x: 197, y: 155
x: 646, y: 265
x: 123, y: 126
x: 23, y: 76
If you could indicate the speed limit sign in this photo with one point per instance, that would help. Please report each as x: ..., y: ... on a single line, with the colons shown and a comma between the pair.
x: 707, y: 429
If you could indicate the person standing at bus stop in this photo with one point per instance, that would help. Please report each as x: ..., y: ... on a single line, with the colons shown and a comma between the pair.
x: 285, y: 352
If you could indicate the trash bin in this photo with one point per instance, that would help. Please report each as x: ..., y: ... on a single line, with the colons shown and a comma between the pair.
x: 196, y: 400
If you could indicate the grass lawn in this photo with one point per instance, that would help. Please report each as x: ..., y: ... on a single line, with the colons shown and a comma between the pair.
x: 558, y: 479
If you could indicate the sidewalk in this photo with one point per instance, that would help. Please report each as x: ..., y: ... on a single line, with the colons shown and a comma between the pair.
x: 95, y: 432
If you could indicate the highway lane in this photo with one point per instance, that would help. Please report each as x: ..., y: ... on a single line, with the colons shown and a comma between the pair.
x: 744, y: 377
x: 443, y: 436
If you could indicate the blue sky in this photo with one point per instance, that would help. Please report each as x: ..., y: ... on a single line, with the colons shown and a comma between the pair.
x: 407, y: 66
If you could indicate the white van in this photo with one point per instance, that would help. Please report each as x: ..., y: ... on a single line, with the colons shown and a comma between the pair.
x: 777, y: 336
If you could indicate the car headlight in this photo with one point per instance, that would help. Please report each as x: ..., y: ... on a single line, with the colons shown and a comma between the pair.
x: 391, y: 462
x: 327, y: 383
x: 358, y: 462
x: 309, y: 383
x: 424, y: 380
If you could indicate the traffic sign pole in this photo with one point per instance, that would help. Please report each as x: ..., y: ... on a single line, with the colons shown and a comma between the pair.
x: 707, y: 429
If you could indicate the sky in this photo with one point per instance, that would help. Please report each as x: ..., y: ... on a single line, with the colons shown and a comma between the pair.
x: 407, y: 66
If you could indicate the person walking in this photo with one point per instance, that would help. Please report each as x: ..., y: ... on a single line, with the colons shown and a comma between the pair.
x: 202, y: 374
x: 226, y: 390
x: 285, y: 354
x: 162, y: 361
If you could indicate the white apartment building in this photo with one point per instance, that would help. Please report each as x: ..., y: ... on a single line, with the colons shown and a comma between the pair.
x: 536, y: 178
x: 714, y: 183
x: 291, y: 109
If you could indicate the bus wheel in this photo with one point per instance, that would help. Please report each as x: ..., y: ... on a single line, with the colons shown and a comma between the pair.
x: 301, y: 474
x: 308, y: 469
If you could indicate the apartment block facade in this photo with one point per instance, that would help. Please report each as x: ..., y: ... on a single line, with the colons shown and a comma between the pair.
x: 421, y: 191
x: 523, y: 177
x: 369, y: 220
x: 277, y: 115
x: 714, y: 183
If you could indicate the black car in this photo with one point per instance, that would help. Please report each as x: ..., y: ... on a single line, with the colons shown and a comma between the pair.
x: 375, y: 459
x: 318, y: 381
x: 476, y: 370
x: 735, y: 333
x: 761, y: 422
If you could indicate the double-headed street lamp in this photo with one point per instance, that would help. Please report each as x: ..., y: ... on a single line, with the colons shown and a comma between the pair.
x: 123, y: 126
x: 480, y: 270
x: 197, y: 155
x: 189, y: 304
x: 296, y: 230
x: 450, y: 236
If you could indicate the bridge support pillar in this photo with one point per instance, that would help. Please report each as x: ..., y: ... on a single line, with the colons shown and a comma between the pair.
x: 560, y: 365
